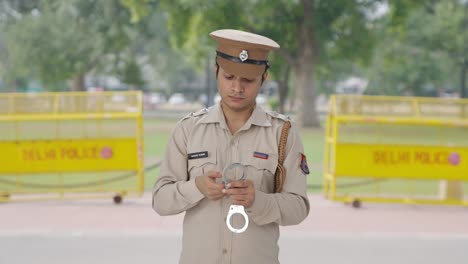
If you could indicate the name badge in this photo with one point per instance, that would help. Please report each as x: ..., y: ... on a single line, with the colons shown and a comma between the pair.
x: 198, y: 155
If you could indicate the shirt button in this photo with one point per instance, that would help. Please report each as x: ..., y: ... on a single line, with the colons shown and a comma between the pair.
x: 224, y: 251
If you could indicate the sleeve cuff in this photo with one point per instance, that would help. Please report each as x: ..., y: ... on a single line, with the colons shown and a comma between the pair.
x: 190, y: 191
x: 260, y: 202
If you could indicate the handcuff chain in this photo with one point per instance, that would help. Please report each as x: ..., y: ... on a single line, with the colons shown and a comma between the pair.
x: 235, y: 209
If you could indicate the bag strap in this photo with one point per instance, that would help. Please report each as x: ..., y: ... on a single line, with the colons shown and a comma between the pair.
x: 280, y: 173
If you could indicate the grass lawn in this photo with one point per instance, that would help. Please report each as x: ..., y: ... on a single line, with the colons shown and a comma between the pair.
x: 157, y: 132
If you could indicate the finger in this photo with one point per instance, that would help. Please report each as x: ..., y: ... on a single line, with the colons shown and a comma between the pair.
x: 215, y: 197
x: 235, y: 191
x: 238, y: 184
x: 216, y: 186
x: 214, y: 174
x: 215, y: 193
x: 239, y: 198
x: 240, y: 202
x: 245, y: 200
x: 246, y: 183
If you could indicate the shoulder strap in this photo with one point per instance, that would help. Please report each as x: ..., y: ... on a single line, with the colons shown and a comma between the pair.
x: 280, y: 174
x: 198, y: 113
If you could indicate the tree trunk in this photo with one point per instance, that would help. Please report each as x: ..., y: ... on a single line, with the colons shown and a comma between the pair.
x: 464, y: 69
x: 209, y: 92
x: 283, y: 88
x: 15, y: 85
x: 305, y: 89
x: 307, y: 115
x: 78, y: 83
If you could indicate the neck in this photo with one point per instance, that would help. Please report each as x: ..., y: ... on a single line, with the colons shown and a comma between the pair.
x: 236, y: 119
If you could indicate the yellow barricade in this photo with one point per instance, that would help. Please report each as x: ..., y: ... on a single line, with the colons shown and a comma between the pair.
x: 71, y: 145
x: 396, y: 149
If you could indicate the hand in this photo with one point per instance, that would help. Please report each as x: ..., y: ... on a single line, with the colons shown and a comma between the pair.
x: 241, y: 192
x: 208, y: 186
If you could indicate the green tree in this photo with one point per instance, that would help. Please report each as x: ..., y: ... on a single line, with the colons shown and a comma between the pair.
x: 65, y: 39
x: 311, y: 32
x: 138, y: 8
x: 172, y: 68
x: 444, y: 30
x: 422, y: 54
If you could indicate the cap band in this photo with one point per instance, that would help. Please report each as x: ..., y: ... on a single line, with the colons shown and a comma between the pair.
x: 236, y: 59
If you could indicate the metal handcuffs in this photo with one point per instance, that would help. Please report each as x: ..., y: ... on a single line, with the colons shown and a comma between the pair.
x: 235, y: 209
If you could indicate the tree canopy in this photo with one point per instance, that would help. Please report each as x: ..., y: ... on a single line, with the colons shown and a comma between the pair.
x: 401, y: 47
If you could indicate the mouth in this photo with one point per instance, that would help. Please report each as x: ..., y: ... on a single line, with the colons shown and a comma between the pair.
x: 236, y: 98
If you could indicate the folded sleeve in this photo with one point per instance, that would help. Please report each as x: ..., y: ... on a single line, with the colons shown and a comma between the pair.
x: 173, y: 191
x: 291, y: 206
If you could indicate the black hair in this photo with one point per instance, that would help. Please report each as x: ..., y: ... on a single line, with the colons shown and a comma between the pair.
x: 263, y: 74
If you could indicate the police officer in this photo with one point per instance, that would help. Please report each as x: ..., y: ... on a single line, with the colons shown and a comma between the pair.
x: 237, y: 131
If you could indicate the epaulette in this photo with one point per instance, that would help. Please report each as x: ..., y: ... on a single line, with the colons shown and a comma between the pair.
x: 279, y: 116
x: 197, y: 113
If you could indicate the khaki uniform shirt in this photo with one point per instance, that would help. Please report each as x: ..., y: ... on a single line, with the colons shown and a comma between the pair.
x: 206, y: 238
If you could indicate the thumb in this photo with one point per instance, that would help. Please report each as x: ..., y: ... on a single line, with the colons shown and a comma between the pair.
x: 214, y: 174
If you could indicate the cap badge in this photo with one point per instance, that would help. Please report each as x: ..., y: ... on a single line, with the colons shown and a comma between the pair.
x: 243, y: 56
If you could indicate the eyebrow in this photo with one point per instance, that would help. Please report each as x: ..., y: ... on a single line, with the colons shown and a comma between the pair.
x: 227, y: 74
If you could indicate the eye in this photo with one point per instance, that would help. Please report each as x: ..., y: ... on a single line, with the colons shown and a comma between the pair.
x: 248, y: 80
x: 228, y: 77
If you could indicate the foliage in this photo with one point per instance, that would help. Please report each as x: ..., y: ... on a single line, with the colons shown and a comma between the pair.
x: 138, y: 8
x: 423, y: 55
x: 63, y: 39
x: 170, y: 65
x: 414, y: 47
x: 336, y: 29
x: 274, y: 104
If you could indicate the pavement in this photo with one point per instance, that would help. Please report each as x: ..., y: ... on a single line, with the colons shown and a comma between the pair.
x: 98, y: 231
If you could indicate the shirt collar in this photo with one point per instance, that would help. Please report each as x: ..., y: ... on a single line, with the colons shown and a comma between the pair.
x: 259, y: 117
x: 215, y: 115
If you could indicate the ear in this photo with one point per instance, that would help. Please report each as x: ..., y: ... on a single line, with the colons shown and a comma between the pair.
x: 265, y: 75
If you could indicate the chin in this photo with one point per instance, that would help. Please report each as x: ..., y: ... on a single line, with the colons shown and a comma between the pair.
x: 243, y: 107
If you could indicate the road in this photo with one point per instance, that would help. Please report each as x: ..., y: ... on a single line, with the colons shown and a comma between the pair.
x: 96, y: 231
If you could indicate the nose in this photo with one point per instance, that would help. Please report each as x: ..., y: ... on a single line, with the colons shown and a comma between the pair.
x: 237, y: 86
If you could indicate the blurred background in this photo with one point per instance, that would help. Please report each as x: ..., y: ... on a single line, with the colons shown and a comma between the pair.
x: 161, y: 48
x: 374, y: 47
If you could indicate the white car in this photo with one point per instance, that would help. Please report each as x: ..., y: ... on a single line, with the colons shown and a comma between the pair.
x: 157, y: 98
x: 260, y: 100
x: 177, y: 98
x: 217, y: 98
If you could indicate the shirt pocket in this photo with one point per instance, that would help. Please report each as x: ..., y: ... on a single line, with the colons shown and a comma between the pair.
x: 199, y: 166
x: 261, y: 171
